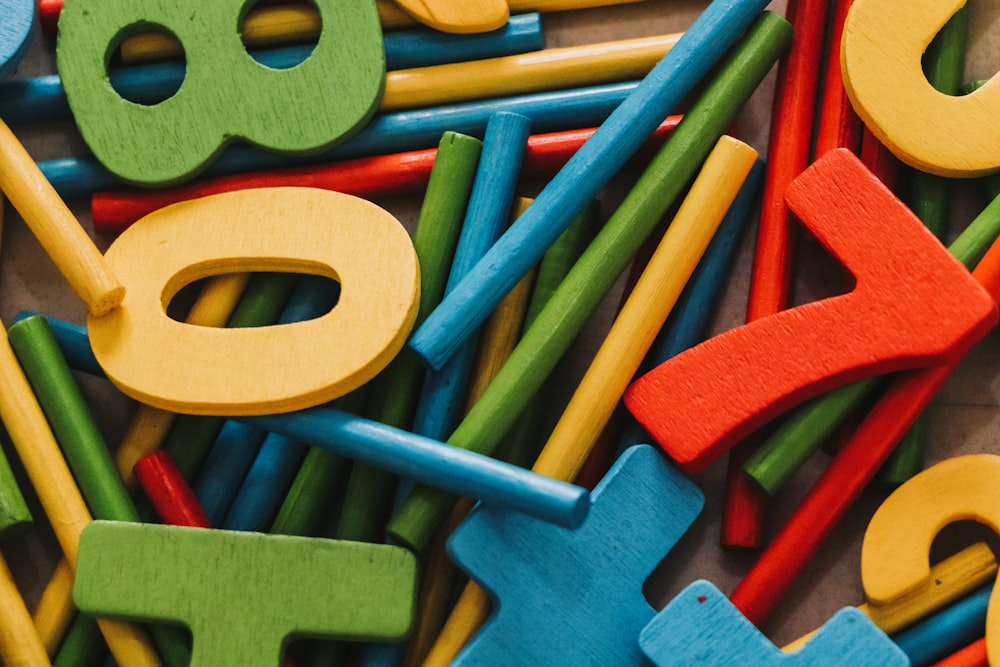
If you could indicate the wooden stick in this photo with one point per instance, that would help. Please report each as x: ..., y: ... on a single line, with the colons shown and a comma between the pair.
x: 838, y: 126
x: 370, y: 178
x: 788, y: 154
x: 20, y: 644
x: 464, y: 309
x: 166, y: 488
x: 52, y: 223
x: 973, y: 655
x: 608, y: 255
x: 54, y: 612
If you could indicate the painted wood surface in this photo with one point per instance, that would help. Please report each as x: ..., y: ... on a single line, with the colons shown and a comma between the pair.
x: 889, y: 90
x: 16, y: 20
x: 295, y: 229
x: 225, y: 96
x: 704, y: 43
x: 606, y: 257
x: 896, y: 548
x: 461, y: 16
x: 584, y: 587
x: 53, y: 224
x: 20, y: 643
x: 235, y: 591
x: 169, y: 492
x: 803, y: 361
x: 702, y: 627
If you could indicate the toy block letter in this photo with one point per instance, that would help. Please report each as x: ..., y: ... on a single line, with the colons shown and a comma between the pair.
x: 244, y: 595
x: 913, y: 305
x: 884, y: 42
x: 702, y: 627
x: 574, y: 597
x: 16, y: 19
x: 226, y: 94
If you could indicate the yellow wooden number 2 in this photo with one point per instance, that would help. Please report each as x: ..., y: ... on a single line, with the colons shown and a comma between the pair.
x: 941, y: 134
x: 895, y: 554
x: 204, y: 370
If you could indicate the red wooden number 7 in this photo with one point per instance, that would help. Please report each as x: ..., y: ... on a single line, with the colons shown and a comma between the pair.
x: 914, y: 305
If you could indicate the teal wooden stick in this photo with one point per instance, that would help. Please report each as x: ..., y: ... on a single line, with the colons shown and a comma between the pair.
x: 928, y: 197
x: 14, y: 512
x: 370, y: 490
x: 781, y: 454
x: 599, y: 266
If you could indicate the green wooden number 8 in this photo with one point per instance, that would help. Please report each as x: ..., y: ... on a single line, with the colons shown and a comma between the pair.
x: 226, y: 94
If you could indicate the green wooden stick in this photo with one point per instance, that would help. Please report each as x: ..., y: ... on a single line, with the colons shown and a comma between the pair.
x: 14, y: 512
x: 84, y: 448
x: 928, y: 197
x: 600, y: 265
x: 775, y: 461
x: 192, y: 436
x: 83, y: 645
x: 370, y: 490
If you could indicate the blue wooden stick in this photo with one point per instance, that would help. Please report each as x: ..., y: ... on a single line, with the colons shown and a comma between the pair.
x: 432, y: 462
x: 386, y: 133
x: 690, y: 318
x: 443, y: 394
x: 43, y: 98
x: 948, y: 630
x: 719, y: 26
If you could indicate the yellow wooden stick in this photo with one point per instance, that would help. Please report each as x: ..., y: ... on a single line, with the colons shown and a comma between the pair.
x: 20, y: 645
x: 537, y: 71
x: 55, y: 609
x: 953, y: 577
x: 646, y: 309
x: 458, y: 16
x: 619, y: 356
x: 52, y: 223
x: 268, y: 25
x: 57, y: 491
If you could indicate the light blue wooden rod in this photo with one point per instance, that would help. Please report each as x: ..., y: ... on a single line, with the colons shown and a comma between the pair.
x: 43, y: 99
x: 386, y: 133
x: 432, y: 462
x: 442, y: 397
x: 948, y: 630
x: 657, y: 95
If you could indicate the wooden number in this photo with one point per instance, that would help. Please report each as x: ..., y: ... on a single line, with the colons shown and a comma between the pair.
x: 574, y: 597
x: 895, y: 554
x: 205, y: 370
x: 16, y: 19
x: 226, y: 94
x: 702, y: 627
x: 243, y: 595
x: 706, y: 399
x: 881, y: 61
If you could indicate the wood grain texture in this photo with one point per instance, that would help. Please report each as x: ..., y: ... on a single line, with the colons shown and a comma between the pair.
x: 52, y: 223
x: 604, y: 260
x: 226, y: 95
x: 16, y: 20
x: 701, y: 626
x: 737, y: 399
x: 236, y: 592
x: 294, y: 229
x: 583, y: 586
x: 464, y: 309
x: 460, y: 16
x: 896, y: 548
x: 949, y: 629
x: 882, y: 52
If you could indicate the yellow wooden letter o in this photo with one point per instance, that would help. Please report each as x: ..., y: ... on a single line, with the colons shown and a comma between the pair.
x: 205, y: 370
x: 880, y: 58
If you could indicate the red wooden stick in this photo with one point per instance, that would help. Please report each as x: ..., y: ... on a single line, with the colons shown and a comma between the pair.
x: 48, y: 13
x: 838, y: 126
x: 973, y: 655
x: 371, y: 177
x: 787, y: 155
x: 847, y: 475
x: 172, y: 497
